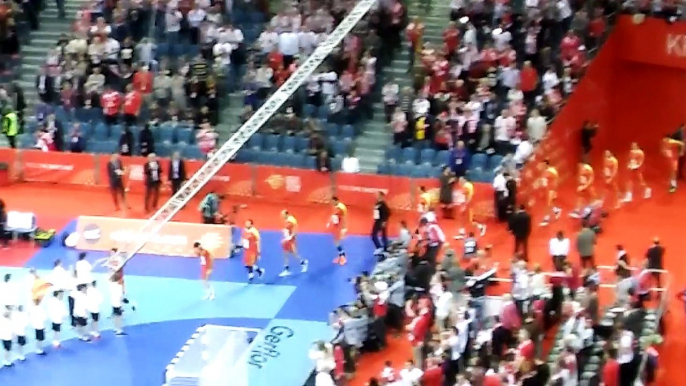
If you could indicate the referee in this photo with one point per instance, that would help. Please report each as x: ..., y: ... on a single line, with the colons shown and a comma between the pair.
x: 381, y: 215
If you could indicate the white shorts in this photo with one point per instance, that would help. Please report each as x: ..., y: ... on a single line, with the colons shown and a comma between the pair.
x: 429, y: 216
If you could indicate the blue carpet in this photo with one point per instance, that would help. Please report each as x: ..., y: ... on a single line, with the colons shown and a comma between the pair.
x: 170, y: 309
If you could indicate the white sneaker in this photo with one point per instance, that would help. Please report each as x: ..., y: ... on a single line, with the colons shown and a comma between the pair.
x: 575, y: 214
x: 545, y: 221
x: 647, y: 193
x: 304, y: 266
x: 21, y: 358
x: 557, y: 212
x: 285, y: 273
x: 482, y: 228
x: 628, y: 198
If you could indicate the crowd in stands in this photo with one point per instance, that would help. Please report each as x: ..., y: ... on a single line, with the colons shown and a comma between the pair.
x: 493, y: 85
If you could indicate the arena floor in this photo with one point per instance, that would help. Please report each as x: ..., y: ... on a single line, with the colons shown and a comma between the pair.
x: 169, y: 294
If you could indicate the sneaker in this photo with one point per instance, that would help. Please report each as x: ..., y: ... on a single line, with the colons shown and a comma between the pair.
x: 250, y: 277
x: 575, y: 214
x: 56, y: 344
x: 8, y: 364
x: 342, y: 260
x: 211, y: 297
x: 378, y: 251
x: 285, y: 273
x: 628, y: 198
x: 85, y: 339
x: 22, y: 358
x: 557, y: 212
x: 545, y: 221
x: 40, y: 352
x: 260, y: 272
x: 120, y: 333
x: 482, y: 228
x: 647, y: 193
x: 304, y: 265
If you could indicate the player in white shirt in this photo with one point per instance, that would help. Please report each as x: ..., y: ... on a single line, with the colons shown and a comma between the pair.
x: 57, y: 312
x: 38, y: 317
x: 20, y: 320
x: 59, y: 276
x: 116, y: 300
x: 6, y: 336
x: 81, y: 312
x: 70, y: 286
x: 94, y: 301
x: 84, y: 270
x: 411, y: 375
x: 8, y: 292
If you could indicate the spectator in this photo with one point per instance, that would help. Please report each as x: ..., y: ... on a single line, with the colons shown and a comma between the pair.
x: 459, y: 159
x: 536, y: 126
x: 350, y: 163
x: 146, y: 141
x: 77, y: 144
x: 323, y: 163
x: 559, y: 249
x: 207, y: 138
x: 126, y: 142
x: 585, y: 246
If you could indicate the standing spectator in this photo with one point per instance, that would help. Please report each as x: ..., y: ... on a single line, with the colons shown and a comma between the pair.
x: 177, y: 172
x: 558, y: 247
x: 610, y: 372
x: 126, y: 142
x: 207, y: 138
x: 381, y: 215
x: 536, y: 126
x: 459, y: 159
x: 448, y: 180
x: 500, y: 194
x: 110, y: 103
x: 153, y: 180
x: 390, y: 93
x: 146, y: 141
x: 172, y: 24
x: 585, y: 245
x: 10, y: 126
x: 45, y: 86
x: 528, y: 83
x: 115, y: 173
x: 654, y: 255
x: 132, y: 105
x: 520, y: 227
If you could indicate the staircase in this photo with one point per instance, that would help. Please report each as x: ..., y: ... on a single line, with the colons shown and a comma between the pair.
x: 371, y: 145
x: 42, y: 41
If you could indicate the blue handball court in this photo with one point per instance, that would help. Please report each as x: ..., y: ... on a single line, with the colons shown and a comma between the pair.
x: 170, y: 309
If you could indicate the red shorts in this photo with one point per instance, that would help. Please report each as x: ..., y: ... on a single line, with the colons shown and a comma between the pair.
x: 635, y: 173
x: 249, y: 258
x: 205, y: 272
x: 289, y: 245
x: 588, y: 193
x: 337, y: 233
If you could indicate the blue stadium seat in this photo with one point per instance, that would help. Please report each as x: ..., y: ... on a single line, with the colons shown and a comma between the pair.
x: 494, y: 161
x: 404, y: 170
x: 87, y: 129
x: 184, y: 134
x: 100, y: 132
x: 332, y: 130
x: 288, y: 144
x: 427, y: 156
x: 61, y: 115
x: 309, y: 111
x: 383, y: 168
x: 115, y: 132
x: 348, y: 132
x: 256, y: 17
x: 323, y: 113
x: 94, y: 114
x: 163, y: 149
x: 193, y: 152
x: 82, y: 115
x: 479, y: 161
x: 336, y: 163
x: 409, y: 155
x: 341, y: 148
x: 102, y: 147
x: 31, y: 126
x: 298, y: 160
x: 26, y: 141
x: 164, y: 133
x: 310, y: 162
x: 272, y: 142
x: 301, y: 144
x: 394, y: 154
x: 245, y: 156
x: 442, y: 158
x: 420, y: 145
x: 487, y: 176
x: 256, y: 141
x: 162, y: 50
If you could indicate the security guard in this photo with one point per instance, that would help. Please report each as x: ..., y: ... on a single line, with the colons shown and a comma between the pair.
x: 10, y: 126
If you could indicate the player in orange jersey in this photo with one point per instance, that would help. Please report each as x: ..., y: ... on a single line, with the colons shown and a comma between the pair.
x: 465, y: 195
x: 288, y: 244
x: 206, y: 266
x: 426, y: 205
x: 635, y: 167
x: 673, y: 149
x: 584, y: 190
x: 548, y: 182
x: 252, y: 250
x: 338, y: 226
x: 610, y: 171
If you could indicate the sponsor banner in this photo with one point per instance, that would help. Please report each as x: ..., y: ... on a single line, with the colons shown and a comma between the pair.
x: 360, y: 189
x: 483, y: 202
x: 292, y: 185
x: 174, y: 239
x: 653, y: 41
x: 231, y: 179
x: 58, y: 167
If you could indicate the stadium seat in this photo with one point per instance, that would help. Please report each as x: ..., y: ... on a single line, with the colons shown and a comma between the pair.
x: 288, y: 144
x: 419, y: 145
x: 384, y: 169
x: 301, y: 144
x: 479, y: 161
x: 394, y: 154
x: 494, y: 161
x: 336, y: 163
x: 115, y: 132
x: 323, y: 113
x: 193, y: 152
x: 256, y: 141
x: 418, y: 171
x: 100, y: 132
x: 102, y: 147
x: 309, y: 111
x: 409, y: 155
x: 442, y: 158
x: 245, y: 156
x: 184, y: 134
x: 404, y: 170
x: 87, y: 129
x: 165, y: 133
x: 272, y: 142
x: 61, y: 115
x: 82, y: 115
x: 310, y: 162
x: 332, y: 130
x: 427, y: 156
x: 26, y: 141
x: 163, y: 149
x: 341, y: 147
x: 347, y: 132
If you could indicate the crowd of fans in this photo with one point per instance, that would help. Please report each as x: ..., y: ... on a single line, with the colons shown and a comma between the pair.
x: 494, y: 83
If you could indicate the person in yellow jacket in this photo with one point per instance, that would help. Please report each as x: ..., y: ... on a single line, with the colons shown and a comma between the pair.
x: 10, y: 127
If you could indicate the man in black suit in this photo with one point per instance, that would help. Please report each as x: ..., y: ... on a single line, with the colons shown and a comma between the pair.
x: 177, y: 172
x: 520, y: 227
x: 380, y: 215
x: 115, y: 173
x: 153, y: 181
x: 44, y: 85
x: 654, y: 255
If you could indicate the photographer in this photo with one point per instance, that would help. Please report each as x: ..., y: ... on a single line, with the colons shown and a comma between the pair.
x: 210, y: 209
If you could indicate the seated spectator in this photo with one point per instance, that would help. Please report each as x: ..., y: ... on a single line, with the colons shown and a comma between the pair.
x: 77, y: 143
x: 322, y: 162
x: 146, y: 141
x: 207, y: 138
x: 44, y: 140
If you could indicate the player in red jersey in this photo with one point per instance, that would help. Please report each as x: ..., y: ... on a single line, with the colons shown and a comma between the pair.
x: 635, y: 167
x: 673, y: 149
x: 338, y: 227
x: 206, y: 266
x: 252, y: 249
x: 231, y: 220
x: 289, y: 245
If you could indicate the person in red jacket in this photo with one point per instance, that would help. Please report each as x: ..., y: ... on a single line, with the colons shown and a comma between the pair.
x: 610, y: 374
x: 451, y: 39
x: 132, y: 105
x: 528, y: 82
x: 142, y: 80
x: 433, y: 375
x: 417, y: 333
x: 110, y: 101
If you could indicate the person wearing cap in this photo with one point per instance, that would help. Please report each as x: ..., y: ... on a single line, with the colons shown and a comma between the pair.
x: 655, y: 255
